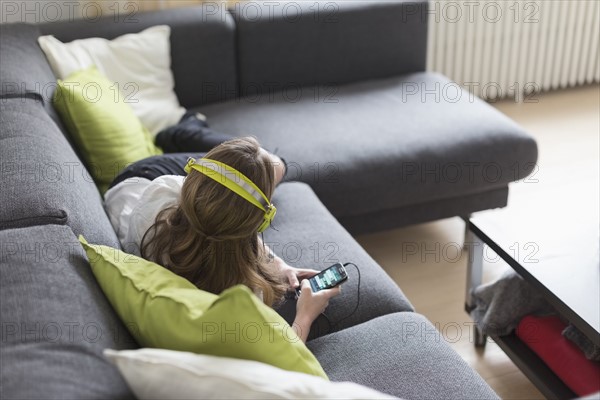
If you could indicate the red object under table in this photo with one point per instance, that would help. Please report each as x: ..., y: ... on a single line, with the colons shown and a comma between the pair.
x: 544, y: 336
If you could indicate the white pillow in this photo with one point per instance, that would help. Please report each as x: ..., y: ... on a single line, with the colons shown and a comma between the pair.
x: 167, y: 374
x: 138, y: 63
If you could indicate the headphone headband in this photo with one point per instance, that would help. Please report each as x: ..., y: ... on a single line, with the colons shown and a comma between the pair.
x: 236, y: 182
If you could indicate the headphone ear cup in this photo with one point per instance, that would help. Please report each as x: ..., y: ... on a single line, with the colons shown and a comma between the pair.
x: 269, y: 216
x: 189, y: 165
x: 265, y: 224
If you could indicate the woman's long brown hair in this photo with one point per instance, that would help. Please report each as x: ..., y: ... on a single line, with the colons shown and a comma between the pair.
x: 210, y: 237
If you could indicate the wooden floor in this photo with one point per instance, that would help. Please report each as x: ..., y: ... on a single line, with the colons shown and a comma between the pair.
x: 566, y: 125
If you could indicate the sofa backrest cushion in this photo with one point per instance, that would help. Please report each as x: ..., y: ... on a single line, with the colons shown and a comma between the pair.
x: 283, y: 46
x: 202, y: 46
x: 55, y: 320
x: 42, y: 179
x: 24, y: 70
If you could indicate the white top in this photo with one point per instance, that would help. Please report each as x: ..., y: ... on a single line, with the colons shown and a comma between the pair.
x: 133, y: 205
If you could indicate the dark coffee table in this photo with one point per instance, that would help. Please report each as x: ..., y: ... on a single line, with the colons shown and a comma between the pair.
x: 557, y: 253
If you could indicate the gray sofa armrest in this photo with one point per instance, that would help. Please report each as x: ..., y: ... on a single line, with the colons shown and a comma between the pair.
x: 286, y: 45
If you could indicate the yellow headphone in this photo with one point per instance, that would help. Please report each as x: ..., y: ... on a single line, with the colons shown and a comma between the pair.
x: 236, y: 182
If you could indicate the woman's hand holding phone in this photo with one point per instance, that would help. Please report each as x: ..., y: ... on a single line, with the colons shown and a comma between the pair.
x: 296, y: 275
x: 292, y: 275
x: 310, y: 304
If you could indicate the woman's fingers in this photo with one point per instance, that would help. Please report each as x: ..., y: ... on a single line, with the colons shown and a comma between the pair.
x: 306, y: 273
x: 293, y: 279
x: 333, y: 291
x: 305, y: 285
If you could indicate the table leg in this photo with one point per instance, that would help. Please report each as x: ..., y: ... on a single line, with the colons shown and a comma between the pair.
x: 474, y: 246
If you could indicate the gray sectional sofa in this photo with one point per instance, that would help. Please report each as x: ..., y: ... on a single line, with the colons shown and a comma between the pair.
x: 371, y: 145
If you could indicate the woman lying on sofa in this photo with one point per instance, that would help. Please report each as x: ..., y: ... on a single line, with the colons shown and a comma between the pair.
x: 204, y: 229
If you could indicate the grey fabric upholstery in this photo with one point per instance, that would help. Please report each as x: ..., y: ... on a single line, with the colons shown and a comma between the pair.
x: 23, y: 66
x: 373, y: 146
x: 306, y: 235
x: 55, y: 320
x: 42, y: 179
x: 24, y: 70
x: 427, y: 211
x: 291, y: 44
x: 401, y: 354
x: 202, y: 46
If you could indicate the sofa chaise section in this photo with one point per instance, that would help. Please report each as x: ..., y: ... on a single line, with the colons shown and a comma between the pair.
x: 348, y: 102
x: 376, y: 149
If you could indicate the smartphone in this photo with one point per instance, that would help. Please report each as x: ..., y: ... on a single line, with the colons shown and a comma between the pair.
x: 328, y: 278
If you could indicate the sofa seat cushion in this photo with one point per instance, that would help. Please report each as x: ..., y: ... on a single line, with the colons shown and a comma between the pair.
x: 55, y: 320
x: 383, y: 144
x: 401, y: 354
x: 306, y: 235
x: 42, y: 179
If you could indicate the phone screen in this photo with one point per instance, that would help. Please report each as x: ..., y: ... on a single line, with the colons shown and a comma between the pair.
x: 328, y: 278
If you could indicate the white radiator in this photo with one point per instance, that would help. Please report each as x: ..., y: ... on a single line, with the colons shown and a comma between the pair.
x: 515, y: 48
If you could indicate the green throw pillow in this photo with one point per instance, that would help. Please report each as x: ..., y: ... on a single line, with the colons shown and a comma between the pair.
x: 105, y: 129
x: 164, y: 310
